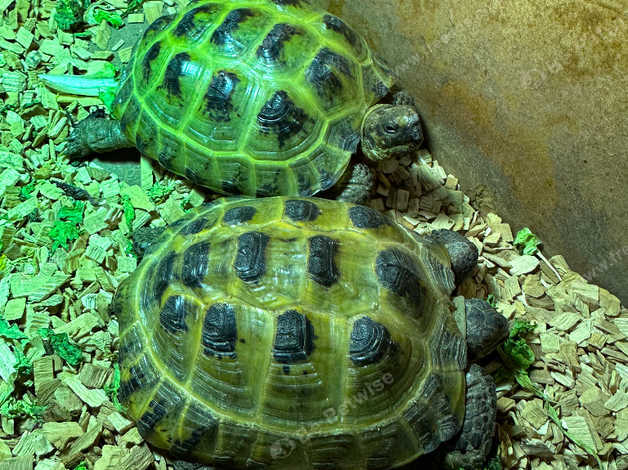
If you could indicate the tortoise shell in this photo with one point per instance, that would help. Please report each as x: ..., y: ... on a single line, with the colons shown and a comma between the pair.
x: 288, y: 333
x: 253, y: 97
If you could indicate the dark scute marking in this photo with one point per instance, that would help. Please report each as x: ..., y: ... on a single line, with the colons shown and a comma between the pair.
x: 320, y: 263
x: 229, y: 187
x: 250, y: 262
x: 173, y: 71
x: 286, y: 370
x: 266, y: 190
x: 140, y: 144
x: 149, y: 419
x: 139, y: 380
x: 164, y: 275
x: 194, y: 227
x: 370, y: 340
x: 165, y: 159
x: 218, y: 97
x: 336, y: 24
x: 193, y: 176
x: 302, y: 211
x: 398, y: 272
x: 151, y: 55
x: 321, y: 74
x: 367, y: 217
x: 239, y: 215
x: 195, y: 262
x: 271, y: 46
x: 222, y: 34
x: 207, y: 429
x: 189, y: 27
x: 163, y: 404
x: 344, y: 136
x: 173, y: 313
x: 159, y: 24
x: 294, y: 339
x: 219, y: 331
x: 282, y: 117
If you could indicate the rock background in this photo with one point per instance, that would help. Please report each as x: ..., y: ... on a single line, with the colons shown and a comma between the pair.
x: 526, y: 102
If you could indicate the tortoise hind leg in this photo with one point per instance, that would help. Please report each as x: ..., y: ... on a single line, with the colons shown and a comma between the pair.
x: 95, y: 135
x: 470, y: 450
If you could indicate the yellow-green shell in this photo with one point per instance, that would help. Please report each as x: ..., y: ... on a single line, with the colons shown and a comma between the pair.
x: 254, y: 97
x: 292, y: 334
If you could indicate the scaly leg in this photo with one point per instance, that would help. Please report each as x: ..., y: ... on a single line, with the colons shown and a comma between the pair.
x: 95, y: 135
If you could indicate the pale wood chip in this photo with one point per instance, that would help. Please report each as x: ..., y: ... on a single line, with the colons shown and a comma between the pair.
x: 523, y: 264
x: 84, y: 442
x: 132, y: 436
x: 139, y: 458
x: 92, y: 397
x: 565, y: 321
x: 24, y: 462
x: 118, y: 422
x: 139, y: 198
x: 534, y: 413
x: 550, y: 342
x: 59, y: 434
x: 577, y: 426
x: 50, y: 464
x: 14, y: 309
x: 34, y: 442
x: 618, y: 401
x: 93, y: 376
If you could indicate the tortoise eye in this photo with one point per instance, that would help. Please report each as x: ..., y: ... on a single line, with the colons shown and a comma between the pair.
x: 391, y: 128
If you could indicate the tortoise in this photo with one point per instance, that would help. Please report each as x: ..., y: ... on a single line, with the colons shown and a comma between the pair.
x: 305, y: 333
x: 253, y: 97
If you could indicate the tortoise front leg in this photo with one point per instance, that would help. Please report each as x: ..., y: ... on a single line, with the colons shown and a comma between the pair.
x: 95, y: 135
x: 358, y: 186
x: 471, y: 448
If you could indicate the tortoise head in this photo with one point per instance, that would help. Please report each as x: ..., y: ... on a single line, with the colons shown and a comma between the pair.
x: 389, y: 130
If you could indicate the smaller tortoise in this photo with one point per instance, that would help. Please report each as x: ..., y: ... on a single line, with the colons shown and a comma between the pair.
x: 293, y: 333
x: 260, y: 98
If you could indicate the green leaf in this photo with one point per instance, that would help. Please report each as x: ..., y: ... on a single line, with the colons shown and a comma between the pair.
x: 129, y: 210
x: 107, y: 97
x: 69, y: 13
x: 515, y: 350
x: 26, y: 190
x: 111, y: 389
x: 72, y: 214
x: 526, y: 241
x: 129, y: 249
x: 81, y: 466
x: 23, y: 365
x: 114, y: 19
x: 490, y: 298
x: 61, y: 345
x: 159, y: 192
x: 10, y: 331
x: 13, y: 408
x: 61, y: 233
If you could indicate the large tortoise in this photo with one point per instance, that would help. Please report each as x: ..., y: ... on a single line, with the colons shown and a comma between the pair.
x: 253, y: 97
x: 305, y: 333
